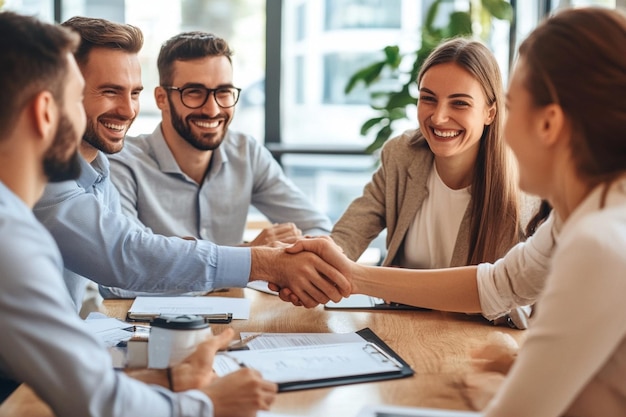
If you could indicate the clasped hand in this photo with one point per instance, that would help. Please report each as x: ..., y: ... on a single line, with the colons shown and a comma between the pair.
x: 318, y: 272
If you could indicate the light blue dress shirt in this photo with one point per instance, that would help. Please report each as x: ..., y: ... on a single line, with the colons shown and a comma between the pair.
x: 98, y: 242
x: 155, y: 191
x: 45, y: 344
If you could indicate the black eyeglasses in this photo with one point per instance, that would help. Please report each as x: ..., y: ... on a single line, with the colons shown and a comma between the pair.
x: 195, y: 97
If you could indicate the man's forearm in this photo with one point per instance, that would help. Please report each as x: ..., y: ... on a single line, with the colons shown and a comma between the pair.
x: 149, y: 376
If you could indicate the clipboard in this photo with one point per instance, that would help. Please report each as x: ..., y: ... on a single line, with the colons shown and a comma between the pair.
x: 391, y: 365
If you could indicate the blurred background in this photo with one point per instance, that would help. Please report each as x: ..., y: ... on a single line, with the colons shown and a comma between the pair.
x: 293, y: 60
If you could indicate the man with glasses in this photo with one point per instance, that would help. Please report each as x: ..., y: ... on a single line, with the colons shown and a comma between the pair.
x: 193, y: 176
x: 98, y: 242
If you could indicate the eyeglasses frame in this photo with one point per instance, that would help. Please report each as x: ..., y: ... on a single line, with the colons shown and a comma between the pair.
x: 210, y: 91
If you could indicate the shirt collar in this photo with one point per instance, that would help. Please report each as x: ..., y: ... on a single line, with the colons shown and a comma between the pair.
x: 166, y: 160
x: 93, y: 173
x: 10, y: 199
x: 592, y: 202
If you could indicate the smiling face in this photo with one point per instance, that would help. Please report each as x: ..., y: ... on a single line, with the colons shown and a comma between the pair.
x: 203, y: 128
x: 452, y: 111
x: 113, y: 85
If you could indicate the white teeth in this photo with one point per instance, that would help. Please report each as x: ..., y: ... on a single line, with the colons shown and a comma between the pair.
x: 114, y: 126
x: 207, y: 124
x: 446, y: 134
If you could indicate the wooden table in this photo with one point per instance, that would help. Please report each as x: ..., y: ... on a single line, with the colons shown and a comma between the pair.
x: 435, y: 344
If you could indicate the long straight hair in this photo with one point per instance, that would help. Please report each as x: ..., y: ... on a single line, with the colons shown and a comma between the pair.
x: 495, y: 212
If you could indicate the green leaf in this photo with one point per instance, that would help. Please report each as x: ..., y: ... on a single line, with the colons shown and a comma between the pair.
x: 397, y: 113
x: 383, y: 134
x: 392, y: 53
x: 460, y: 24
x: 401, y: 99
x: 431, y: 15
x: 499, y: 9
x: 370, y: 123
x: 367, y: 75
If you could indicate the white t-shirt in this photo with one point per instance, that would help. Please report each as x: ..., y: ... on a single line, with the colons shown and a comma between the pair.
x: 431, y: 237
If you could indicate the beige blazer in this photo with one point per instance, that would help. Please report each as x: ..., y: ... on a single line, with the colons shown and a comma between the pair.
x: 391, y: 200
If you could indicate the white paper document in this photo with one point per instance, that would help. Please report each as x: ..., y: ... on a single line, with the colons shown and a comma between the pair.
x: 202, y: 306
x: 356, y: 301
x: 306, y: 363
x: 109, y: 330
x: 281, y: 340
x: 366, y: 302
x: 261, y: 286
x: 391, y: 411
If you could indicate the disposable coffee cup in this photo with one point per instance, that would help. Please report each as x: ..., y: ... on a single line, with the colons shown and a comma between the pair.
x: 173, y: 338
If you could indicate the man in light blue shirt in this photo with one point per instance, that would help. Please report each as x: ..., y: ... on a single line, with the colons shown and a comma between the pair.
x: 98, y: 242
x: 45, y: 344
x: 193, y: 176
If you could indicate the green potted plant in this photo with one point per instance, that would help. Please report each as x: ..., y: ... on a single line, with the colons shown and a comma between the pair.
x: 391, y: 105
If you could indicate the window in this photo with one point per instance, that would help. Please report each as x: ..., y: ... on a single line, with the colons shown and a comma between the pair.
x: 314, y: 46
x: 362, y: 14
x: 341, y: 37
x: 337, y: 71
x: 43, y: 9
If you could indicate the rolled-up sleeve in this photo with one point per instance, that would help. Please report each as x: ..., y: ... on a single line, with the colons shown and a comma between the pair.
x: 518, y: 278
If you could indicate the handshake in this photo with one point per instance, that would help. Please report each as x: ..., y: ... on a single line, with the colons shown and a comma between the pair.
x: 308, y: 272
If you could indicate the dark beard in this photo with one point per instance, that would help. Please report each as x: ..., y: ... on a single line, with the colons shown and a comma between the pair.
x: 207, y: 142
x: 55, y: 167
x: 94, y: 140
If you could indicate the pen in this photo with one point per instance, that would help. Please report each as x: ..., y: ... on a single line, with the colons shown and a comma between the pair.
x: 243, y: 343
x: 234, y: 359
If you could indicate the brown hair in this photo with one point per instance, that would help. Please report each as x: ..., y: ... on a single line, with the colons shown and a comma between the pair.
x: 33, y: 58
x: 188, y: 46
x: 494, y: 224
x: 577, y: 59
x: 101, y: 33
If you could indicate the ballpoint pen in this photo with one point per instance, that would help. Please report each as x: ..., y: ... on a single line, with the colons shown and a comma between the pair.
x: 243, y: 343
x: 234, y: 359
